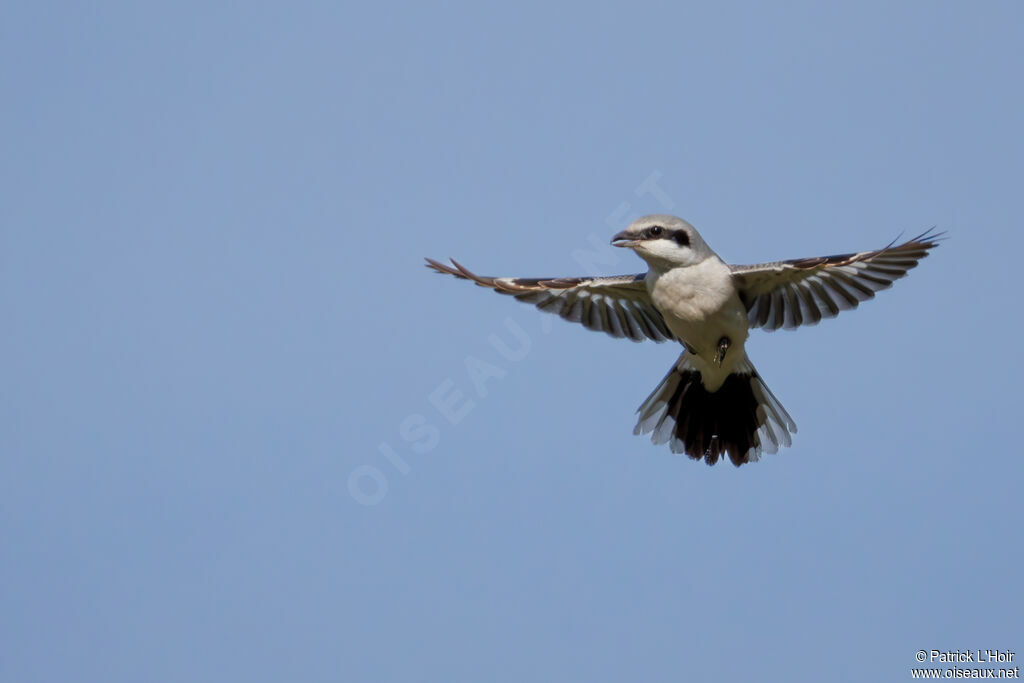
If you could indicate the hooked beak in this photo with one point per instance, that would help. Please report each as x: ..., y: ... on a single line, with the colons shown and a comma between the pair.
x: 624, y: 239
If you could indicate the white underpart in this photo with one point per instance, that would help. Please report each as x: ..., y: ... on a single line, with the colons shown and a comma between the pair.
x: 700, y: 305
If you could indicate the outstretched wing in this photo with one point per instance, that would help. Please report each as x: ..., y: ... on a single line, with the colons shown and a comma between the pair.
x: 618, y: 305
x: 803, y: 291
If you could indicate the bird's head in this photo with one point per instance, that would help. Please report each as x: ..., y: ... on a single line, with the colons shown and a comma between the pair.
x: 664, y: 241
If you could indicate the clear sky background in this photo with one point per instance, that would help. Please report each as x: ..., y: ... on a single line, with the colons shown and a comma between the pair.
x: 215, y: 312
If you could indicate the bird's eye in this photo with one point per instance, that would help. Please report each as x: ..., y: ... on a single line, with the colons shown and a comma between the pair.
x: 655, y: 231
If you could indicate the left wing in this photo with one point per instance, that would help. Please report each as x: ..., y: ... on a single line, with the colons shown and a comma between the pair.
x: 803, y: 291
x: 619, y: 306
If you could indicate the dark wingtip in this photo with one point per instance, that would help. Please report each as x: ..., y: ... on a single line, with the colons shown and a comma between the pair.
x: 439, y: 267
x: 929, y: 238
x: 933, y: 237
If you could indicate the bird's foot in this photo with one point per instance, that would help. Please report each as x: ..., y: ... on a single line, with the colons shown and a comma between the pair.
x: 723, y: 348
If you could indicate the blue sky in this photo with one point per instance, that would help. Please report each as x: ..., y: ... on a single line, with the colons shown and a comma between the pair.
x: 221, y: 458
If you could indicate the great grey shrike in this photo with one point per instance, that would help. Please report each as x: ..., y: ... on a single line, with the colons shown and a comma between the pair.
x: 712, y: 403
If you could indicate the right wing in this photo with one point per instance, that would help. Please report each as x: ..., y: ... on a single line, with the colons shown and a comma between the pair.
x: 619, y: 306
x: 803, y: 291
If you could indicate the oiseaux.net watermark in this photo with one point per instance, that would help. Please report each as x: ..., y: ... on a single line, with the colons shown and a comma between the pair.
x: 450, y: 402
x: 979, y: 664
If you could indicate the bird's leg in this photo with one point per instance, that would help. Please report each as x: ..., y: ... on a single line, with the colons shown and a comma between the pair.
x: 723, y: 348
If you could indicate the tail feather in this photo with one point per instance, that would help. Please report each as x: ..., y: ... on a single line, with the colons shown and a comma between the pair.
x: 742, y: 419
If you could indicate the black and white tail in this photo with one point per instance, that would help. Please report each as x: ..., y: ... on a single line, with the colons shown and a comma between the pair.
x: 742, y: 418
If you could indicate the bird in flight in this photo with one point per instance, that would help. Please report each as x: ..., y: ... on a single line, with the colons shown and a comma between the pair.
x: 712, y: 403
